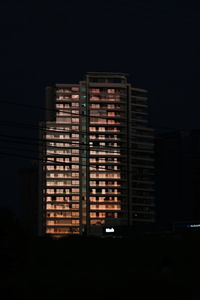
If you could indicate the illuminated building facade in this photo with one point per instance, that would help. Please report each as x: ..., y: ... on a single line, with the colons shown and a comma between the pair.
x: 97, y: 156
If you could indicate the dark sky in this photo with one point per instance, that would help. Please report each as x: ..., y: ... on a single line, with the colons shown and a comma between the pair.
x: 156, y: 42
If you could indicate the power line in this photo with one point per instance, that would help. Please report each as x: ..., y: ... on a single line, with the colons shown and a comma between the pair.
x: 46, y: 129
x: 99, y: 168
x: 53, y: 163
x: 59, y: 110
x: 41, y: 142
x: 70, y: 113
x: 64, y: 111
x: 71, y: 141
x: 15, y: 140
x: 44, y: 159
x: 49, y: 154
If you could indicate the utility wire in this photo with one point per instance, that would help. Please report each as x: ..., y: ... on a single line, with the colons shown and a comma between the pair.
x: 46, y: 129
x: 49, y: 154
x: 62, y: 110
x: 40, y: 143
x: 71, y: 141
x: 60, y: 163
x: 43, y: 143
x: 38, y: 107
x: 46, y: 160
x: 54, y: 155
x: 56, y: 110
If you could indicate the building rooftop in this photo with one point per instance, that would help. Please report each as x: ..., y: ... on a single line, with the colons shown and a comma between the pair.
x: 107, y: 74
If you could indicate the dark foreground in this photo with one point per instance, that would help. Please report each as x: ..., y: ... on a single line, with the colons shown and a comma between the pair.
x: 148, y: 266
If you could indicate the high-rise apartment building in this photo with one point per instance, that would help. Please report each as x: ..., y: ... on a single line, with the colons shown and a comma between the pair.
x: 97, y: 153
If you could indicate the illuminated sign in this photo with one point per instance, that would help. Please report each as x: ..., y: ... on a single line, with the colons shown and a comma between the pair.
x: 194, y: 225
x: 110, y: 229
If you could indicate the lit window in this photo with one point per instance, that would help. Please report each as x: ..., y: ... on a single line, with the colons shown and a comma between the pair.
x: 111, y: 113
x: 75, y: 159
x: 92, y: 137
x: 75, y: 89
x: 101, y: 199
x: 75, y: 174
x: 102, y: 183
x: 63, y: 120
x: 96, y: 98
x: 93, y: 199
x: 75, y: 96
x: 75, y: 127
x: 75, y: 112
x: 75, y: 135
x: 95, y: 90
x: 111, y: 91
x: 75, y: 104
x: 75, y: 120
x: 75, y: 182
x: 92, y: 159
x: 75, y: 167
x: 95, y: 106
x: 92, y: 128
x: 75, y: 198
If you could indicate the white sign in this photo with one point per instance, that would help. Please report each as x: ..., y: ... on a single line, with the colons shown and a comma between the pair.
x: 194, y: 225
x: 110, y: 229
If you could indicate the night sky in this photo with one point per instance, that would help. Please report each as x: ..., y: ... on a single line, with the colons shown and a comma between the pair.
x: 47, y: 42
